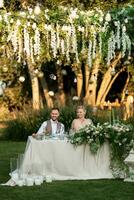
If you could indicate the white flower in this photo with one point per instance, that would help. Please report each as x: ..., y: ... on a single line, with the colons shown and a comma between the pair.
x: 18, y: 22
x: 51, y: 93
x: 34, y: 26
x: 21, y: 79
x: 124, y: 28
x: 1, y: 3
x: 30, y: 10
x: 11, y: 20
x: 108, y: 17
x: 37, y: 10
x: 28, y: 23
x: 36, y: 71
x: 48, y: 27
x: 101, y: 19
x: 22, y: 13
x: 126, y: 20
x: 5, y: 69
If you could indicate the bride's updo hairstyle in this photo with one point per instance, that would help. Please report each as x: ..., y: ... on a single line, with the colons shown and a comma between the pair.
x: 81, y: 107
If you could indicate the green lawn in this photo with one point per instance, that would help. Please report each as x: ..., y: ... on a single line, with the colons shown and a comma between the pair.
x: 59, y: 190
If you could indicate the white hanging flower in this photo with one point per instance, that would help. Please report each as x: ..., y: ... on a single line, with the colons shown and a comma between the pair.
x: 13, y: 36
x: 36, y: 71
x: 31, y: 50
x: 48, y: 27
x: 108, y: 17
x: 37, y: 42
x: 26, y: 42
x: 46, y: 16
x: 80, y: 28
x: 32, y: 16
x: 90, y: 54
x: 118, y: 37
x: 5, y: 69
x: 28, y: 23
x: 57, y: 36
x: 53, y: 43
x: 126, y: 20
x: 22, y: 13
x: 111, y: 47
x: 101, y: 19
x: 94, y: 46
x: 37, y: 10
x: 124, y: 28
x: 30, y: 10
x: 21, y: 79
x: 11, y: 20
x: 62, y: 47
x: 34, y: 26
x: 20, y: 46
x: 18, y: 23
x: 73, y: 15
x: 1, y: 3
x: 100, y: 45
x: 51, y: 93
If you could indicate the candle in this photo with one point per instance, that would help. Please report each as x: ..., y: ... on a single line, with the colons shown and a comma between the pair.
x: 38, y: 181
x: 48, y: 179
x: 29, y: 181
x: 20, y: 183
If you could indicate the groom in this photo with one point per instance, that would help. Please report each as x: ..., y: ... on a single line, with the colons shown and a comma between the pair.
x: 52, y: 126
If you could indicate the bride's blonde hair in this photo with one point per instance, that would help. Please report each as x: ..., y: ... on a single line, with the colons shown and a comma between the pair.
x: 81, y: 107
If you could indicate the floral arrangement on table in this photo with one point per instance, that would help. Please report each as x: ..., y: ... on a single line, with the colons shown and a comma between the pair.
x: 119, y: 135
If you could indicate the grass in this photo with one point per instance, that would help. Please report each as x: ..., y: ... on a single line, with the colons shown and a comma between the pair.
x: 59, y: 190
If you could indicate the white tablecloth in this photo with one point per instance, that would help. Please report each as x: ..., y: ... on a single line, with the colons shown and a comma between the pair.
x: 63, y: 161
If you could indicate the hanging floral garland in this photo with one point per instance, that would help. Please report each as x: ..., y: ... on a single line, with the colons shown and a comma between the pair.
x: 59, y: 31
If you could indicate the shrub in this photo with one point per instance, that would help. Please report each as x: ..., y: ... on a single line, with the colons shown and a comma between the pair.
x: 29, y: 121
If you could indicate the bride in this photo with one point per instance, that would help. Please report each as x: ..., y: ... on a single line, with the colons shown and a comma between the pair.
x: 81, y: 121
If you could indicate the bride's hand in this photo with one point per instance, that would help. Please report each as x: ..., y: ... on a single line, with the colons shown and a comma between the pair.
x: 34, y: 135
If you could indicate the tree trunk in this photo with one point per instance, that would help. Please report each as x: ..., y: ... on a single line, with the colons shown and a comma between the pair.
x: 124, y: 90
x: 49, y: 100
x: 35, y: 86
x: 106, y: 80
x: 110, y: 85
x: 90, y: 96
x: 79, y: 78
x: 87, y: 74
x: 35, y: 93
x: 61, y: 94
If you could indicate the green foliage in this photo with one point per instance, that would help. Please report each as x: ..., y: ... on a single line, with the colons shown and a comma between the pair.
x: 25, y: 124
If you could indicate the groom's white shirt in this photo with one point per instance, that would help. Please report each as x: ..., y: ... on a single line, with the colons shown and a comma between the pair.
x: 54, y: 128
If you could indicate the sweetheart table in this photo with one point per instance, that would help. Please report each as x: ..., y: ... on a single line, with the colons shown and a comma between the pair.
x: 57, y: 159
x: 61, y: 160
